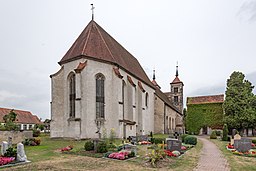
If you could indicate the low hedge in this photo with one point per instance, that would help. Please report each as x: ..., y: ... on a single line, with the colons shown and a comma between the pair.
x: 157, y: 140
x: 183, y: 136
x: 89, y: 146
x: 192, y: 140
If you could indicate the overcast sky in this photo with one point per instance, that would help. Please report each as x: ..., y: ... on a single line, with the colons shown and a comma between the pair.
x: 209, y: 38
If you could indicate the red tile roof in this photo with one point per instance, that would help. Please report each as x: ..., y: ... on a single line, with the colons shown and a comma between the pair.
x: 130, y: 81
x: 117, y: 72
x: 206, y: 99
x: 80, y: 67
x: 96, y: 44
x: 141, y: 87
x: 176, y: 80
x: 22, y: 116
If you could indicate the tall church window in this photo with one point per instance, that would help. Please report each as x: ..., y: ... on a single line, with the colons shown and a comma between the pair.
x: 146, y: 100
x: 72, y: 95
x: 100, y: 99
x: 176, y: 99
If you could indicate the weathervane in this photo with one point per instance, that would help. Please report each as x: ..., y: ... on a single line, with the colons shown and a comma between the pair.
x: 92, y: 11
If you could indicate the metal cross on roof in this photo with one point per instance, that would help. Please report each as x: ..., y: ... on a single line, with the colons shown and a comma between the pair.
x: 92, y: 11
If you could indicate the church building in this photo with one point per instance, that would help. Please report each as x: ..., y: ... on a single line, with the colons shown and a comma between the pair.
x: 101, y: 86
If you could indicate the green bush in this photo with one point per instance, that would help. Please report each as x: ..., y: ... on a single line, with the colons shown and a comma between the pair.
x: 11, y: 152
x: 254, y: 141
x: 183, y: 136
x: 158, y: 140
x: 225, y: 133
x: 192, y: 140
x: 36, y: 133
x: 101, y: 147
x: 213, y: 135
x: 218, y: 132
x: 89, y: 146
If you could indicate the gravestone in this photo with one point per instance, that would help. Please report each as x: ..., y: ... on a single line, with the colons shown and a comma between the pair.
x: 237, y: 137
x: 21, y: 156
x: 4, y: 147
x: 243, y: 144
x: 173, y: 144
x: 250, y: 134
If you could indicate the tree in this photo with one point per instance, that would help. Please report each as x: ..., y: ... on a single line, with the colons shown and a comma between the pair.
x: 225, y: 133
x: 239, y: 105
x: 9, y: 120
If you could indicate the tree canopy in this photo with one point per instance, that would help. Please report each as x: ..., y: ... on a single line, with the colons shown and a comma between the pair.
x: 240, y: 103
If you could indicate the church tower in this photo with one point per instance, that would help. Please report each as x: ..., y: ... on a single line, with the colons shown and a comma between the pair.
x: 176, y: 93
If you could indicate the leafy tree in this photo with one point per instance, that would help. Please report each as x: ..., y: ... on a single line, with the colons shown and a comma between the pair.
x: 9, y: 120
x: 239, y: 105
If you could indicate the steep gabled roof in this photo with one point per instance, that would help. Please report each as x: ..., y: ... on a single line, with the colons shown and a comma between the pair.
x: 96, y: 44
x: 24, y: 117
x: 206, y: 99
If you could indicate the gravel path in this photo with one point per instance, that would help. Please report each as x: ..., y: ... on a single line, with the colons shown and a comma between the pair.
x: 211, y: 158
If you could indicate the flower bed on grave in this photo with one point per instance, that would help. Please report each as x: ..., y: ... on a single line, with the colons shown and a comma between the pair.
x: 249, y: 153
x: 6, y: 160
x: 122, y: 152
x: 121, y: 155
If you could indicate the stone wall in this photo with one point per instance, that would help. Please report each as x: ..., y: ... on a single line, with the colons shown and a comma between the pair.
x: 17, y: 136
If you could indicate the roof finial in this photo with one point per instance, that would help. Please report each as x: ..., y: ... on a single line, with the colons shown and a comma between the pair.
x: 154, y: 74
x: 177, y: 72
x: 92, y: 11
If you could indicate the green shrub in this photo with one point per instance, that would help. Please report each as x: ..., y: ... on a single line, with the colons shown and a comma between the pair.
x: 36, y: 133
x: 89, y: 146
x: 218, y: 132
x: 111, y: 146
x: 254, y: 141
x: 101, y: 147
x: 213, y: 135
x: 158, y: 140
x: 225, y: 133
x: 192, y: 140
x: 183, y: 136
x: 11, y: 152
x: 132, y: 154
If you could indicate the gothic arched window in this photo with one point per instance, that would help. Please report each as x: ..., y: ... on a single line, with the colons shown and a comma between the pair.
x: 100, y: 98
x: 72, y: 94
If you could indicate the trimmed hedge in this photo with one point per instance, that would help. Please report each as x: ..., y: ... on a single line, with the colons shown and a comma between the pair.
x: 192, y: 140
x: 157, y: 140
x: 183, y: 136
x: 102, y: 147
x: 213, y: 135
x: 254, y: 141
x: 88, y: 146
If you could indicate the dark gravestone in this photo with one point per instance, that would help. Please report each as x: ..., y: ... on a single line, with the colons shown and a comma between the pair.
x: 142, y: 138
x: 173, y: 144
x: 243, y: 145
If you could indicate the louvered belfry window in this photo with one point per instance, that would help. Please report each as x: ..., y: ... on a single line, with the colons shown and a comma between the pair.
x: 72, y: 95
x: 100, y: 99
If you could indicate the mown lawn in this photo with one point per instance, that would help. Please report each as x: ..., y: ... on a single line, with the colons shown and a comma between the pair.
x: 47, y: 156
x: 236, y: 163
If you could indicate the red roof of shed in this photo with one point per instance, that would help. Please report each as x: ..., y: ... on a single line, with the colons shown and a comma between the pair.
x: 22, y: 116
x: 206, y: 99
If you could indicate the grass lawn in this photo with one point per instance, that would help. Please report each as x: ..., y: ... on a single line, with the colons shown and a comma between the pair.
x: 236, y: 163
x: 47, y: 156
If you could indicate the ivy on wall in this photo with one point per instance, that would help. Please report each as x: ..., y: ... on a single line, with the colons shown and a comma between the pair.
x: 203, y: 115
